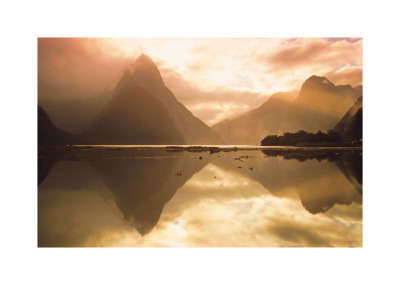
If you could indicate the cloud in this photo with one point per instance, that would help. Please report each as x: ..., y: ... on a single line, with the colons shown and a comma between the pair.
x: 73, y: 72
x: 349, y: 40
x: 338, y: 58
x: 293, y: 232
x: 320, y: 233
x: 214, y: 78
x: 297, y: 55
x: 212, y: 105
x: 346, y: 75
x: 312, y: 52
x: 75, y: 68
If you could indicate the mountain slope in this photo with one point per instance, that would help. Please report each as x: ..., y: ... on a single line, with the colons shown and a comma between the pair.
x: 144, y: 73
x: 318, y: 106
x: 75, y: 114
x: 133, y: 116
x: 350, y: 126
x: 261, y: 121
x: 49, y: 135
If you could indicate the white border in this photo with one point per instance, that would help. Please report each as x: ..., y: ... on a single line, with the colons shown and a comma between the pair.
x: 28, y: 272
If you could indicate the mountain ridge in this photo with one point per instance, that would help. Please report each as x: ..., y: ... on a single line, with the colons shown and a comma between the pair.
x: 319, y: 105
x: 263, y: 119
x: 144, y: 74
x: 50, y: 135
x: 350, y: 126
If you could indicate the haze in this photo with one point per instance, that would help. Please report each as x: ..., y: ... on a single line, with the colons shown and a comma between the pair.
x: 214, y: 78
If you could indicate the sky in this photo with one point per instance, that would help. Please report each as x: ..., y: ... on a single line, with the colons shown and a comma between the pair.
x: 215, y: 78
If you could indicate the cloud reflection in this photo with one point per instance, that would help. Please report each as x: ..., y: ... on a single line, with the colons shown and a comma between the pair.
x: 234, y: 218
x: 219, y: 206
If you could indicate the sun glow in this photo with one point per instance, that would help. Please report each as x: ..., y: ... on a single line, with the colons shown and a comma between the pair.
x: 257, y: 64
x: 216, y: 77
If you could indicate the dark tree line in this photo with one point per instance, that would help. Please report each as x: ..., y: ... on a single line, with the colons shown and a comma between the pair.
x: 303, y: 138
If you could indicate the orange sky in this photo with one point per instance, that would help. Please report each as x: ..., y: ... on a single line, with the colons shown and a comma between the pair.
x: 215, y: 78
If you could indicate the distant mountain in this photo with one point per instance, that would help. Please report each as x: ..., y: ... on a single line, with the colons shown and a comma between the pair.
x: 254, y: 125
x: 350, y: 126
x: 50, y: 135
x: 144, y: 111
x: 319, y: 106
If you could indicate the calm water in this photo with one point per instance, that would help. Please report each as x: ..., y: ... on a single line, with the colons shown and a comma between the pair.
x: 224, y: 199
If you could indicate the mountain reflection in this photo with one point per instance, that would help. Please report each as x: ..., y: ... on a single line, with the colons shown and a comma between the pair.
x: 320, y: 179
x: 44, y: 168
x: 141, y: 187
x: 241, y: 198
x: 349, y: 162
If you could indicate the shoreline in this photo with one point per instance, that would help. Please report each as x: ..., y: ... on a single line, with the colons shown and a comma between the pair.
x: 78, y: 152
x: 195, y: 148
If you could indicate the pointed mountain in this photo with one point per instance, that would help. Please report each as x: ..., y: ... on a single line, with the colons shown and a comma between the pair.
x: 133, y: 116
x: 144, y: 69
x: 318, y: 106
x: 350, y: 126
x: 144, y: 73
x: 144, y: 111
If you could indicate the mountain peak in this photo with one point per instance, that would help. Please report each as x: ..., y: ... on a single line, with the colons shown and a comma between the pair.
x: 145, y: 68
x: 144, y: 57
x: 317, y: 81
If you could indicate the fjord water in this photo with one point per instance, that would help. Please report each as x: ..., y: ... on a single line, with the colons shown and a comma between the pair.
x: 160, y: 198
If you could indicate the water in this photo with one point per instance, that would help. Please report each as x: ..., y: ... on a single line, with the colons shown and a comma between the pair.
x: 158, y: 198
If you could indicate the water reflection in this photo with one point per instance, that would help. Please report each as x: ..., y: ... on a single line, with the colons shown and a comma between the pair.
x: 141, y: 187
x: 44, y: 167
x: 243, y: 198
x: 320, y: 180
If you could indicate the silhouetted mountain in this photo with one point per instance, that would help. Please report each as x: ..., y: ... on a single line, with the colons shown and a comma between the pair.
x: 350, y: 126
x: 319, y: 106
x: 49, y: 135
x: 144, y: 111
x: 261, y: 121
x: 145, y: 73
x: 133, y: 116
